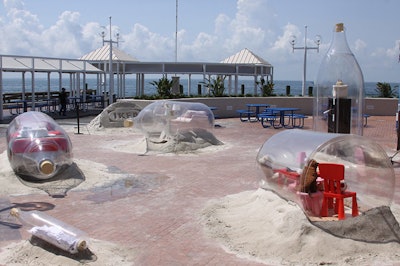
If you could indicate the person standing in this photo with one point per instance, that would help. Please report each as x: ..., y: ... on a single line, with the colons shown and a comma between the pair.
x: 63, y: 102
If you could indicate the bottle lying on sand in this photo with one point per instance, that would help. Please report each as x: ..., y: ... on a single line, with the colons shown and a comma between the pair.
x: 37, y: 146
x: 52, y: 230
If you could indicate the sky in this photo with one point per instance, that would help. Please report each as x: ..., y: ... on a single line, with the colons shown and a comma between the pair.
x: 208, y: 31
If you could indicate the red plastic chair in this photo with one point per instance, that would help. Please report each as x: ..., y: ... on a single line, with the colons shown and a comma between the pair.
x: 333, y: 196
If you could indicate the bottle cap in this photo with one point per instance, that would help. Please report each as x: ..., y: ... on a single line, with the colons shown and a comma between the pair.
x: 81, y: 245
x: 14, y: 212
x: 46, y: 167
x: 339, y: 27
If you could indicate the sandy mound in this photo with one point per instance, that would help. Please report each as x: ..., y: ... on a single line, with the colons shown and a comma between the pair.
x: 263, y: 227
x: 186, y: 141
x: 92, y: 176
x: 38, y: 253
x: 95, y: 127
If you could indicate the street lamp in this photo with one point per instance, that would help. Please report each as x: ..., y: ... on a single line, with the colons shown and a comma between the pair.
x: 110, y: 67
x: 305, y: 48
x: 176, y: 31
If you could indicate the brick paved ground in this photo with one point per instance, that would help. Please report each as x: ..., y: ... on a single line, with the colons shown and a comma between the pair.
x: 163, y: 224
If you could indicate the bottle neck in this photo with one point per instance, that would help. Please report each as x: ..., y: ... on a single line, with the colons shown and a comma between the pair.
x: 339, y: 43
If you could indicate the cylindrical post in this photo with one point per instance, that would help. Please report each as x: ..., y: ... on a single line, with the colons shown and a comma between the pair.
x: 398, y: 133
x: 310, y: 91
x: 77, y: 115
x: 287, y: 90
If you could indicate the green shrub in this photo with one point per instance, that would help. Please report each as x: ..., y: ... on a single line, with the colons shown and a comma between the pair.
x: 216, y: 86
x: 267, y: 89
x: 384, y: 90
x: 164, y: 87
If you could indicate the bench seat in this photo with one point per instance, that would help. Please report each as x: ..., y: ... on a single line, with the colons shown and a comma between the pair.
x: 246, y: 115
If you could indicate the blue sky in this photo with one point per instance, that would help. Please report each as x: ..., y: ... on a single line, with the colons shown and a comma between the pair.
x: 208, y: 30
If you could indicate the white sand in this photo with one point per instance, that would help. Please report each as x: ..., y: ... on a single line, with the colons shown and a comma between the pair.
x: 96, y: 175
x: 261, y: 226
x: 105, y: 254
x: 24, y: 253
x: 257, y: 225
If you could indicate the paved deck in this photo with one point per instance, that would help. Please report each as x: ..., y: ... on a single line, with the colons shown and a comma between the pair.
x: 162, y: 224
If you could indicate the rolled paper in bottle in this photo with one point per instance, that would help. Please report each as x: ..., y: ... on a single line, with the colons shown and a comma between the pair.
x: 339, y: 90
x: 52, y: 230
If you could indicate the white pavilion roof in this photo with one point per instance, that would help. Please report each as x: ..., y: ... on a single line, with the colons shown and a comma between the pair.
x: 245, y: 56
x: 103, y: 54
x: 15, y: 63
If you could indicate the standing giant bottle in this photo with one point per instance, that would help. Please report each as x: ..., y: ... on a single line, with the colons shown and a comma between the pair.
x: 339, y: 100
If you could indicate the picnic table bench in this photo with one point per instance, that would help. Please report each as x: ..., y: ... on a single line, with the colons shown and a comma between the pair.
x: 277, y: 116
x: 246, y: 115
x: 365, y: 116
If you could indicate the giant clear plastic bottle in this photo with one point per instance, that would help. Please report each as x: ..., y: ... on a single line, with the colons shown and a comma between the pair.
x: 163, y: 119
x: 52, y: 230
x: 37, y: 146
x: 339, y: 99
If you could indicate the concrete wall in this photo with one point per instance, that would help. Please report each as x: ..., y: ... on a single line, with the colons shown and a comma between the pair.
x: 381, y: 106
x: 227, y: 106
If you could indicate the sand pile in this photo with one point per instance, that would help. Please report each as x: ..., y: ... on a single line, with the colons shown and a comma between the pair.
x: 87, y: 175
x: 100, y: 253
x: 183, y: 142
x: 97, y: 177
x: 186, y: 141
x: 263, y: 227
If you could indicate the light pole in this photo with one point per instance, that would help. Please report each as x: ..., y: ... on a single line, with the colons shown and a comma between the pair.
x: 305, y: 48
x: 110, y: 63
x: 176, y: 31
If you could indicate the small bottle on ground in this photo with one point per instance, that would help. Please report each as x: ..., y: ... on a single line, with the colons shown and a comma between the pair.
x: 52, y: 230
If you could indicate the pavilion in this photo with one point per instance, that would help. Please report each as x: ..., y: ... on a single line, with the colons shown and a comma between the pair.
x: 74, y: 68
x: 244, y: 63
x: 98, y: 62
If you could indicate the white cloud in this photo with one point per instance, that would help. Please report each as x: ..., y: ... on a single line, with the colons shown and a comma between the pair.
x: 65, y: 37
x: 283, y: 41
x: 13, y: 4
x: 68, y: 38
x: 254, y: 25
x: 17, y: 28
x: 148, y: 46
x: 246, y: 30
x: 359, y: 45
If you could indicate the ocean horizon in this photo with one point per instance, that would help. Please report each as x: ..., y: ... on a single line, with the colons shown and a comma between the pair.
x: 14, y: 85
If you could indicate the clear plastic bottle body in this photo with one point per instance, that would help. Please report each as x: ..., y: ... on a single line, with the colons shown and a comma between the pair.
x: 37, y: 145
x: 339, y: 111
x: 163, y: 119
x: 52, y: 230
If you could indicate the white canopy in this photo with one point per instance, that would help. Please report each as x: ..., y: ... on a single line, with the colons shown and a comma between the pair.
x: 13, y: 63
x: 244, y: 63
x: 245, y: 56
x: 103, y: 54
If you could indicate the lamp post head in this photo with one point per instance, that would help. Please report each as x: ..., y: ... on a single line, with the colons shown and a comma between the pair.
x: 318, y: 39
x: 292, y: 41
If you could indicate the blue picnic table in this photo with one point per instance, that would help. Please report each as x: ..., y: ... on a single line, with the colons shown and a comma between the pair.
x: 276, y: 117
x: 252, y: 112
